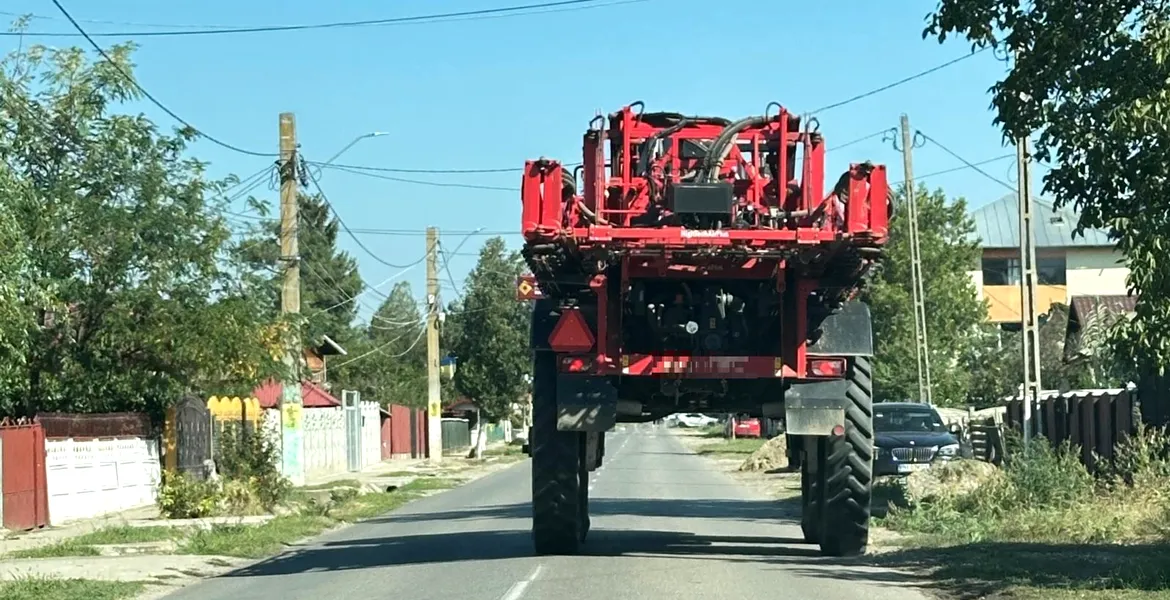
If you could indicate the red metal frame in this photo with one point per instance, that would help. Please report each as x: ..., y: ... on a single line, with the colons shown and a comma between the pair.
x: 615, y: 198
x: 599, y: 219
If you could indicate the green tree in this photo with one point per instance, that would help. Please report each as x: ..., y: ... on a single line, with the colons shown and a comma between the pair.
x: 953, y: 310
x: 329, y: 277
x: 999, y: 370
x: 130, y: 300
x: 492, y: 341
x: 449, y: 335
x: 1091, y: 82
x: 994, y: 364
x: 389, y: 358
x: 15, y: 294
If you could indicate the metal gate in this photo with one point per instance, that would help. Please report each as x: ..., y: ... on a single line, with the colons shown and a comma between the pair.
x: 351, y: 400
x: 192, y: 436
x: 25, y: 502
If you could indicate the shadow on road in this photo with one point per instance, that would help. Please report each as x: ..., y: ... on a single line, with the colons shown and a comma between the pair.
x: 495, y: 545
x: 641, y: 507
x: 502, y: 532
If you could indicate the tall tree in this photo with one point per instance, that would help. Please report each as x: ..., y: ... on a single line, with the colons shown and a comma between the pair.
x: 16, y: 294
x: 329, y: 277
x: 387, y: 363
x: 449, y: 335
x: 129, y: 298
x: 1091, y: 80
x: 492, y: 343
x: 998, y: 370
x: 953, y: 310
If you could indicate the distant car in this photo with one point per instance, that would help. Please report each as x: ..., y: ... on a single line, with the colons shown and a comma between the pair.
x: 911, y: 437
x: 696, y: 420
x: 743, y: 427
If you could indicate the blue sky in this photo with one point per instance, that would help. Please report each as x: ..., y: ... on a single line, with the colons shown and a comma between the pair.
x: 490, y: 93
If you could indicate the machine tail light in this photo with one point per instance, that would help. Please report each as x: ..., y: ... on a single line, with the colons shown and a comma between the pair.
x: 576, y: 364
x: 826, y: 367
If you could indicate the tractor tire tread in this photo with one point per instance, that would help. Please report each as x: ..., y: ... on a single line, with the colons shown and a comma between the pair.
x: 848, y: 477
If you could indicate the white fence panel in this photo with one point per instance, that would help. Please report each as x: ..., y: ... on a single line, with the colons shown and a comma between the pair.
x: 324, y: 440
x: 91, y: 478
x: 371, y: 434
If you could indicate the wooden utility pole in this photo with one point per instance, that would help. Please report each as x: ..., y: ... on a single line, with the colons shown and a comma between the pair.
x: 922, y: 349
x: 291, y: 407
x: 1029, y: 318
x: 434, y: 398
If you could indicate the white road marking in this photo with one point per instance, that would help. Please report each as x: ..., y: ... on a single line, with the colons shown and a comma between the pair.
x: 517, y: 589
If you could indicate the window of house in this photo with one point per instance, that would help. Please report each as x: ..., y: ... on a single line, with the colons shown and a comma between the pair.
x: 1050, y: 270
x: 1001, y: 271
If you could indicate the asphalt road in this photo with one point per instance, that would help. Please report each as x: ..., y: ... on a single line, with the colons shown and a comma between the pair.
x: 666, y: 525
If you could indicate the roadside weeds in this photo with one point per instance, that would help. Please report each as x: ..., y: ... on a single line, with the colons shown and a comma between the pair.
x: 44, y: 588
x: 1042, y: 528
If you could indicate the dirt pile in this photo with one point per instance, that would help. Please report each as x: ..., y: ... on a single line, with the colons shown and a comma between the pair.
x: 946, y: 481
x: 772, y: 455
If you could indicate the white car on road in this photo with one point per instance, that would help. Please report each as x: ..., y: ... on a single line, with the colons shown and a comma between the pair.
x: 695, y: 420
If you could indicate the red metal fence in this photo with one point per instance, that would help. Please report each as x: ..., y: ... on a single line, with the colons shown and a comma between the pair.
x: 88, y: 426
x: 408, y: 436
x: 25, y: 495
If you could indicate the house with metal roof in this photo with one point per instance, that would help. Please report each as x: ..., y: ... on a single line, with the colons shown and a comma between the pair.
x: 1088, y: 264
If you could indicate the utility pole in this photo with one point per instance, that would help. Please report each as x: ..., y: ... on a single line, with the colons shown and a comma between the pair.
x: 434, y: 398
x: 1028, y: 313
x: 922, y: 349
x: 291, y: 407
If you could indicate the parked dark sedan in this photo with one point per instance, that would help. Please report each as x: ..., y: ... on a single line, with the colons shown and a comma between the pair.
x: 909, y: 437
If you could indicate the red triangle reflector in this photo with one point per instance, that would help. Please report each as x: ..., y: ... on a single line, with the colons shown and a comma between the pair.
x: 571, y: 334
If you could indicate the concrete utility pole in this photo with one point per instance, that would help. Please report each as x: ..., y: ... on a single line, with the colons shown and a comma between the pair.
x: 291, y: 407
x: 434, y: 398
x: 1028, y: 313
x: 922, y: 349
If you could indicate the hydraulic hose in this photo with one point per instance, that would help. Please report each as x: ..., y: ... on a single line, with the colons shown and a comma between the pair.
x: 648, y: 145
x: 722, y: 146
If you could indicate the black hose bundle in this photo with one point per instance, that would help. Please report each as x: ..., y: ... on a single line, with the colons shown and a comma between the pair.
x: 722, y: 145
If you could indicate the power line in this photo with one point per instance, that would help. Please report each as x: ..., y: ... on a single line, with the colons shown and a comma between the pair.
x: 147, y: 94
x: 382, y: 347
x: 121, y: 23
x: 962, y: 168
x: 472, y: 186
x: 418, y: 171
x: 899, y: 82
x: 370, y: 171
x: 418, y: 232
x: 861, y: 139
x: 968, y: 163
x: 562, y: 5
x: 345, y: 227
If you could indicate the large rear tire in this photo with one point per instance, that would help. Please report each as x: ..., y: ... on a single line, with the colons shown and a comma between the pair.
x: 848, y: 474
x: 583, y: 488
x: 557, y: 489
x: 810, y: 519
